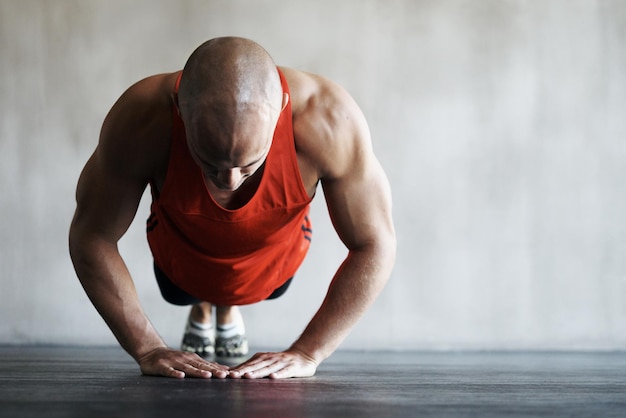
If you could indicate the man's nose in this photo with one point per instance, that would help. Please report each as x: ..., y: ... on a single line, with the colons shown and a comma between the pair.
x: 230, y: 179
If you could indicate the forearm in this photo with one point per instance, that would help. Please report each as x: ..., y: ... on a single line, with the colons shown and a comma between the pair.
x: 108, y: 284
x: 354, y: 288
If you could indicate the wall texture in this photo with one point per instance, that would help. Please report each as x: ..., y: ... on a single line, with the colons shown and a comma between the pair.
x: 501, y: 124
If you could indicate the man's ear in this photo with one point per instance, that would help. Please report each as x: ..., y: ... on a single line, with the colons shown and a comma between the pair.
x: 285, y: 101
x: 175, y: 100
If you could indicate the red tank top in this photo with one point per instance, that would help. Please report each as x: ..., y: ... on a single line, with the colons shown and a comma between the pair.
x: 231, y: 257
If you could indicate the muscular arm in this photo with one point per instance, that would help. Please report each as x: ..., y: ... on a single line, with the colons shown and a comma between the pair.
x: 106, y: 204
x: 109, y: 191
x: 359, y: 203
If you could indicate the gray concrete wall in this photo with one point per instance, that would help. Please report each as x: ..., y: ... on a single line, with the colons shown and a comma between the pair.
x: 501, y: 124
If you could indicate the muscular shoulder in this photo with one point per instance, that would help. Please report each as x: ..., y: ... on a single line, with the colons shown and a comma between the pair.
x: 330, y: 129
x: 136, y: 132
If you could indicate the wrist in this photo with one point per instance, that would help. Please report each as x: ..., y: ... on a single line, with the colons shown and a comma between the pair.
x: 311, y: 354
x: 140, y: 356
x: 145, y: 346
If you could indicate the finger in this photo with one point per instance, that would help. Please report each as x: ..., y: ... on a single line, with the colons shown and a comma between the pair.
x: 264, y: 370
x: 204, y: 369
x: 284, y: 373
x: 251, y: 366
x: 258, y: 360
x: 191, y: 371
x: 161, y: 370
x: 253, y: 360
x: 293, y: 370
x: 172, y: 372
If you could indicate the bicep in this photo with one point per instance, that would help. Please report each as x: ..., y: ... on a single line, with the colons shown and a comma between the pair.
x: 359, y: 204
x: 355, y: 186
x: 107, y: 199
x: 113, y: 181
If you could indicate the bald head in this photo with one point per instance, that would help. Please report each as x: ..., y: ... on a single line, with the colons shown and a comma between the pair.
x: 230, y: 98
x: 231, y: 70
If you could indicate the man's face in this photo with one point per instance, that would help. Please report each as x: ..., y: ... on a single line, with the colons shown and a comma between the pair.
x: 229, y: 175
x: 230, y: 150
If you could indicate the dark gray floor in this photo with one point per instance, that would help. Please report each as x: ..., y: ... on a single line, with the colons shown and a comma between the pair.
x: 105, y: 382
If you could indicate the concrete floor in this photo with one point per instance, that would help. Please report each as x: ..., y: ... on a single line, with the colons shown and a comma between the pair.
x: 105, y: 382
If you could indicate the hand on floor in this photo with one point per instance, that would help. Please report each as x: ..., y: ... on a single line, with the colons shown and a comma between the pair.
x: 174, y: 363
x: 279, y: 365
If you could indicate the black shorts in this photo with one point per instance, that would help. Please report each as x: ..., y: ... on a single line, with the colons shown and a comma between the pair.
x: 177, y: 296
